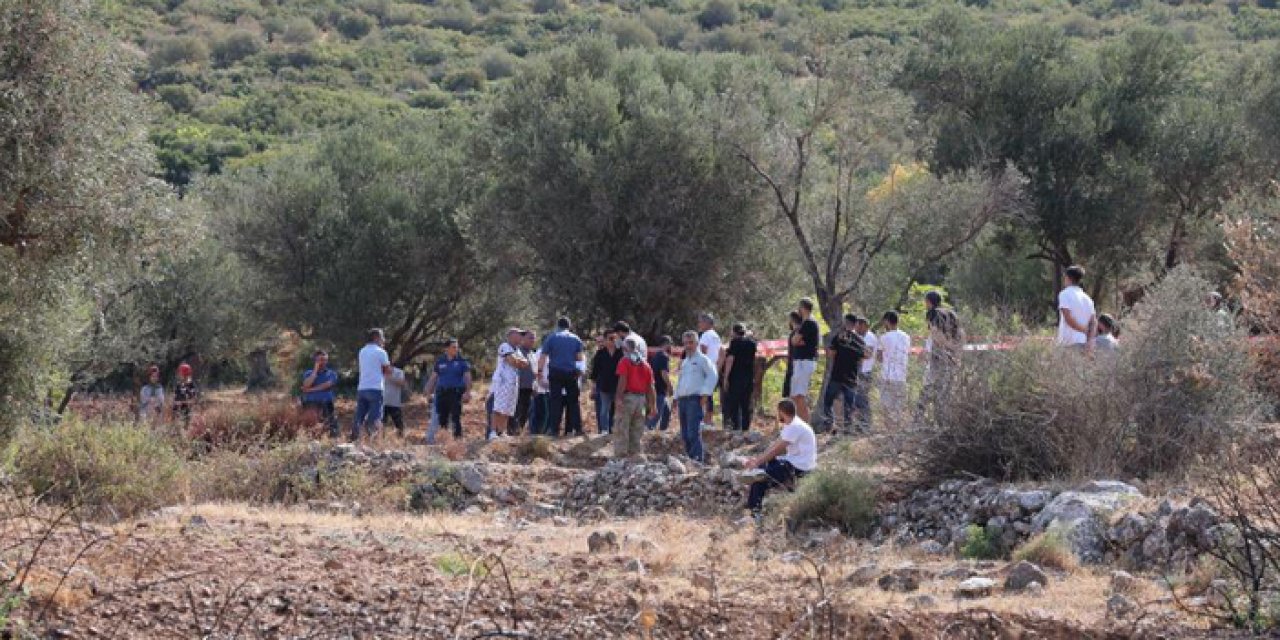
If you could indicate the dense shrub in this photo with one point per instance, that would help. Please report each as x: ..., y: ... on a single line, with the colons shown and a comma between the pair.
x: 181, y: 98
x: 1177, y: 390
x: 300, y: 30
x: 978, y: 544
x: 630, y: 32
x: 283, y: 474
x: 115, y: 469
x: 465, y: 80
x: 550, y: 6
x: 177, y: 50
x: 718, y: 13
x: 498, y: 64
x: 235, y: 46
x: 246, y: 426
x: 354, y: 26
x: 835, y: 497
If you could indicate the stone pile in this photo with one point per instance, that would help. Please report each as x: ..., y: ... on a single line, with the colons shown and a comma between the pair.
x: 1096, y: 519
x: 623, y: 488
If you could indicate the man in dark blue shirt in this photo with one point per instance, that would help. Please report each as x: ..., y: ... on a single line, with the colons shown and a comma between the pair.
x: 317, y: 391
x: 564, y: 360
x: 450, y: 382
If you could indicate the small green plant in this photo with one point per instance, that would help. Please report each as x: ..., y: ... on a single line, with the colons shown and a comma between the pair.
x: 978, y: 545
x: 839, y: 497
x: 1049, y: 550
x: 455, y: 564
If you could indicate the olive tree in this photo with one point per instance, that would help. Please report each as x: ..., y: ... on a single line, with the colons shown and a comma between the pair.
x: 616, y: 191
x: 367, y: 228
x: 75, y: 198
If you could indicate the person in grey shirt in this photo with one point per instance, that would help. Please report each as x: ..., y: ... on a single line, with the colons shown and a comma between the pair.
x: 1106, y: 341
x: 393, y: 399
x: 526, y: 378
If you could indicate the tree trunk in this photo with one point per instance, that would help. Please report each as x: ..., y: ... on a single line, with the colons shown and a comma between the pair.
x: 1173, y: 253
x: 261, y: 377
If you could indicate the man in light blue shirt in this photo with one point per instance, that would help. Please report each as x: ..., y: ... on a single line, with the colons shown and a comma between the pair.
x: 374, y: 367
x: 697, y: 382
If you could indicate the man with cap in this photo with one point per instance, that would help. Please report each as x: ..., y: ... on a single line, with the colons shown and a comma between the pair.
x: 506, y: 382
x: 844, y: 362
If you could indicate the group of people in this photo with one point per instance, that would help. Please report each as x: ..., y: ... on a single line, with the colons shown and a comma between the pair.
x: 151, y: 399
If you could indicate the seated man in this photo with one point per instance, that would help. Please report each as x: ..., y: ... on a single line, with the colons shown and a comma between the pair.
x: 790, y: 457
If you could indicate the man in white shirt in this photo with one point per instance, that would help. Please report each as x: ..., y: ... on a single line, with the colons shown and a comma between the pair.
x: 862, y: 393
x: 709, y: 343
x: 790, y: 457
x: 393, y: 399
x: 895, y: 351
x: 505, y: 389
x: 375, y: 366
x: 1077, y: 319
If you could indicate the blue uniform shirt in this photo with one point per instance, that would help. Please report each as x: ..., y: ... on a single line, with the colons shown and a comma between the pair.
x: 328, y: 375
x: 451, y: 373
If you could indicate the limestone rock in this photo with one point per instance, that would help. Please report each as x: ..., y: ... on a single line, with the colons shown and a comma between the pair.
x: 1120, y: 607
x: 471, y: 479
x: 1081, y: 515
x: 1022, y: 574
x: 1123, y: 583
x: 976, y: 587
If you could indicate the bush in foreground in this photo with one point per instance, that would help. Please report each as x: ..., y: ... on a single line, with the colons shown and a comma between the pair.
x: 835, y: 497
x: 1050, y: 550
x: 114, y: 468
x: 1178, y: 389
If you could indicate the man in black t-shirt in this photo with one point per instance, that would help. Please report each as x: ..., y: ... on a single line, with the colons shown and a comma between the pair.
x: 604, y: 375
x: 804, y: 344
x: 660, y: 362
x: 844, y: 361
x: 740, y: 379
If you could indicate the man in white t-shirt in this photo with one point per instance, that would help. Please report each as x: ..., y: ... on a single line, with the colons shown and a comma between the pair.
x: 1077, y: 319
x: 790, y: 457
x: 374, y: 367
x: 505, y: 389
x: 862, y: 393
x: 895, y: 351
x: 709, y: 343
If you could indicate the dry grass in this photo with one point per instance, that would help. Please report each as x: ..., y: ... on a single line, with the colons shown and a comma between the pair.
x: 1049, y: 550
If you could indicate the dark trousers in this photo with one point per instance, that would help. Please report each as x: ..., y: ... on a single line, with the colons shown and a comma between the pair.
x: 849, y: 396
x: 449, y: 409
x: 324, y: 413
x: 564, y: 399
x: 689, y: 409
x: 538, y: 415
x: 781, y: 474
x: 737, y: 405
x: 394, y: 414
x: 517, y: 422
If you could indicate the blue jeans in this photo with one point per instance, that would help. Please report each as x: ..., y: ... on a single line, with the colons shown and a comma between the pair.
x: 690, y: 410
x: 850, y: 397
x: 368, y: 413
x: 862, y: 401
x: 781, y: 474
x: 661, y: 419
x: 604, y: 412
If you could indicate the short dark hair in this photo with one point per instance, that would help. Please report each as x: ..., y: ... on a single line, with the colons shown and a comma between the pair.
x: 850, y: 317
x: 1107, y: 321
x: 373, y: 334
x: 795, y: 315
x: 622, y: 326
x: 664, y: 341
x: 934, y: 297
x: 739, y: 329
x: 563, y: 323
x: 806, y: 304
x: 787, y: 407
x: 450, y: 342
x: 1075, y: 273
x: 320, y: 352
x: 890, y: 317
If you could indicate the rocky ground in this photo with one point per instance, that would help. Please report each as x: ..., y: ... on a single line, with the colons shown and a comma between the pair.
x: 554, y: 540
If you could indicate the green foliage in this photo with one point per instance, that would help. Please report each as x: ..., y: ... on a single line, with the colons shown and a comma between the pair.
x: 120, y: 469
x: 465, y: 80
x: 835, y: 497
x: 235, y: 46
x: 978, y: 545
x: 455, y: 565
x: 718, y: 13
x: 355, y: 25
x: 366, y: 229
